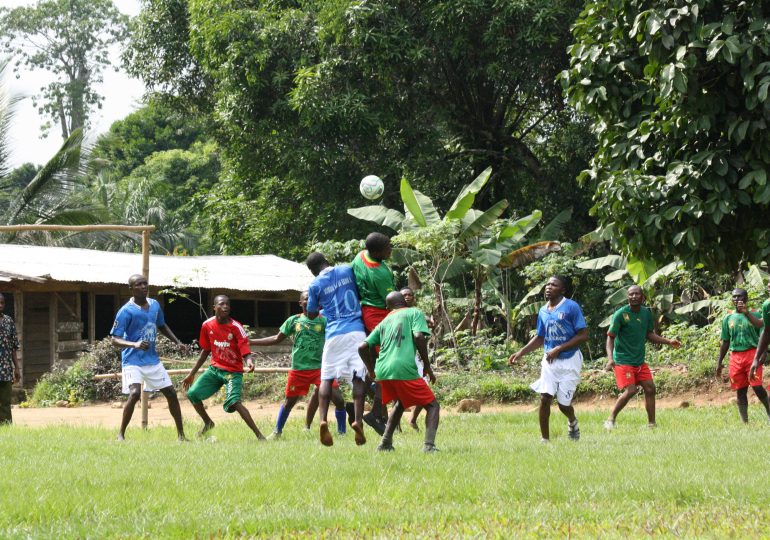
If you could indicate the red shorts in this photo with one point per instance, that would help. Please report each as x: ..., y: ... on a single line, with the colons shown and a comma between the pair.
x: 740, y: 364
x: 628, y: 375
x: 409, y: 393
x: 299, y: 381
x: 372, y: 316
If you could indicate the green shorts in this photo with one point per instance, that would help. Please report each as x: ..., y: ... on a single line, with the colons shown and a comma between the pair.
x: 211, y: 381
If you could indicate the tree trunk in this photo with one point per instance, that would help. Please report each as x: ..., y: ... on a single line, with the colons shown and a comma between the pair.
x: 65, y: 132
x: 476, y: 305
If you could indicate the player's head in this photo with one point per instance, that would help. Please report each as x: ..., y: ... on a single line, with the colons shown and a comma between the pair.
x: 557, y: 287
x: 635, y: 295
x: 408, y: 295
x: 316, y: 262
x: 221, y: 306
x: 2, y: 303
x: 378, y: 245
x: 740, y: 295
x: 303, y: 301
x: 138, y: 285
x: 395, y: 300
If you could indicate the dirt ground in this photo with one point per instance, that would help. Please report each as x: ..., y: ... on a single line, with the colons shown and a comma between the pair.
x: 108, y: 414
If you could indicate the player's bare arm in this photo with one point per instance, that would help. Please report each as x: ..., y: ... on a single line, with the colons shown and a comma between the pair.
x: 187, y: 381
x: 534, y: 343
x: 723, y: 348
x: 366, y: 355
x: 166, y: 331
x: 249, y: 362
x: 660, y: 340
x: 125, y: 344
x: 610, y: 348
x: 267, y: 341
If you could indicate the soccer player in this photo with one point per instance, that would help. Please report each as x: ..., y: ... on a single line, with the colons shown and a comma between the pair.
x: 135, y: 331
x: 374, y: 281
x: 630, y: 329
x: 400, y: 335
x: 226, y: 341
x: 334, y: 290
x: 308, y: 336
x: 408, y: 295
x: 760, y: 357
x: 740, y: 333
x: 561, y: 328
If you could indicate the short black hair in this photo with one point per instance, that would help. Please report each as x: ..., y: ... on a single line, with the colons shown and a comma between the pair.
x: 133, y: 279
x: 740, y: 292
x: 376, y: 242
x: 566, y: 282
x: 316, y: 262
x: 220, y: 296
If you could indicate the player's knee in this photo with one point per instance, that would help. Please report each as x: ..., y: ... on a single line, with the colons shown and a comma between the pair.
x: 546, y: 399
x: 631, y: 389
x: 168, y: 392
x: 193, y: 396
x: 134, y: 394
x: 649, y: 390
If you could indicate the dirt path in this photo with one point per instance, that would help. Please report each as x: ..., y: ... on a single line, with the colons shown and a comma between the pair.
x: 106, y: 415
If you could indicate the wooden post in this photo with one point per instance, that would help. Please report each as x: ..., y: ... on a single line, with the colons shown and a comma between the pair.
x: 146, y: 274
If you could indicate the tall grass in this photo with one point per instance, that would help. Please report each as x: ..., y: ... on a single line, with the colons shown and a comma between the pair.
x: 699, y: 474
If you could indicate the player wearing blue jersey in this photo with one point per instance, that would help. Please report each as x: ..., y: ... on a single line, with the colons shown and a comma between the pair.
x: 135, y: 331
x: 561, y: 329
x: 334, y: 290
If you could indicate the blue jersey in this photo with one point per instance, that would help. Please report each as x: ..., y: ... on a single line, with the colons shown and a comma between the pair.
x: 133, y: 323
x: 560, y: 325
x: 334, y: 290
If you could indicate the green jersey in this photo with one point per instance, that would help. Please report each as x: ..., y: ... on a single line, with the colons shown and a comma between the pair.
x: 738, y: 330
x: 397, y: 350
x: 373, y: 279
x: 630, y: 328
x: 308, y: 336
x: 766, y: 312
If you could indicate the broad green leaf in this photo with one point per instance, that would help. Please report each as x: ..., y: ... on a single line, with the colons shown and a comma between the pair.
x: 404, y: 256
x: 666, y: 271
x: 467, y: 196
x: 713, y: 49
x: 528, y: 310
x: 486, y: 256
x: 618, y: 297
x: 708, y: 303
x: 606, y: 322
x: 615, y: 261
x: 755, y: 277
x: 517, y: 230
x: 452, y: 268
x: 640, y: 270
x: 387, y: 217
x: 616, y: 275
x: 484, y: 221
x: 411, y: 205
x: 428, y: 210
x: 555, y: 227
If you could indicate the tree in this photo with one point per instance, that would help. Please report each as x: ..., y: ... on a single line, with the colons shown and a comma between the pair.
x: 311, y: 96
x: 71, y: 39
x: 678, y: 96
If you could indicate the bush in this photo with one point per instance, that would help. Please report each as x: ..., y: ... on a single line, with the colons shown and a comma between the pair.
x: 73, y: 384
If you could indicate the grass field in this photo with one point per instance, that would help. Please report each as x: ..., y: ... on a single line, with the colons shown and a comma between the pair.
x: 700, y: 474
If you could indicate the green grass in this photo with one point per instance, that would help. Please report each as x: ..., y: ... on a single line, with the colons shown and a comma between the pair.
x: 700, y: 474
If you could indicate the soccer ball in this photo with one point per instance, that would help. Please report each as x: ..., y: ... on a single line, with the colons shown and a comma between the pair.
x: 372, y: 187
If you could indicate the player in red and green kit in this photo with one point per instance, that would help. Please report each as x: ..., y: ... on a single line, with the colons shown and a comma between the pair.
x: 226, y: 340
x: 374, y: 281
x: 760, y: 357
x: 629, y: 331
x: 400, y: 335
x: 308, y: 337
x: 740, y: 334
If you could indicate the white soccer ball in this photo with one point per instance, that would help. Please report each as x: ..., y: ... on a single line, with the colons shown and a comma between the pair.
x: 372, y: 187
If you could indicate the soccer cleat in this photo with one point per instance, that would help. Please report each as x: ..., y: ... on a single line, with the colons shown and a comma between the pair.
x: 573, y: 431
x: 375, y: 423
x: 274, y: 436
x: 545, y: 441
x: 609, y: 424
x: 652, y: 425
x: 385, y: 447
x: 429, y: 448
x: 325, y: 436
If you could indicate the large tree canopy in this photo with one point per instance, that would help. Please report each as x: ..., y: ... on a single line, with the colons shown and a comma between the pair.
x: 678, y: 95
x: 71, y: 39
x: 311, y: 95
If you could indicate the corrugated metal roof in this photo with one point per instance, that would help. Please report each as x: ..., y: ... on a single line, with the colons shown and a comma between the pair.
x: 242, y: 273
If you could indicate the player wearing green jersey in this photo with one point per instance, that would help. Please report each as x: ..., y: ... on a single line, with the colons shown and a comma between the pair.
x: 630, y: 329
x: 760, y: 357
x: 308, y: 337
x: 740, y: 334
x: 400, y: 335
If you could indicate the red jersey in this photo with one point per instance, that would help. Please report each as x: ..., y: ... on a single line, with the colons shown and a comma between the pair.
x: 228, y: 344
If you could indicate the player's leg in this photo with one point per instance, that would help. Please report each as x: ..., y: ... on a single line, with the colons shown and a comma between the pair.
x: 204, y: 387
x: 623, y: 399
x: 432, y: 415
x: 175, y: 409
x: 741, y: 395
x: 359, y: 391
x: 283, y: 415
x: 648, y: 387
x: 233, y: 388
x: 134, y: 395
x: 312, y: 408
x: 415, y: 415
x: 386, y: 445
x: 324, y: 396
x: 241, y: 409
x: 761, y: 394
x: 339, y: 410
x: 544, y: 416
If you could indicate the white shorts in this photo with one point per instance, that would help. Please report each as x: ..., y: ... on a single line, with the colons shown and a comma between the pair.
x: 560, y: 378
x: 340, y: 358
x: 154, y: 377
